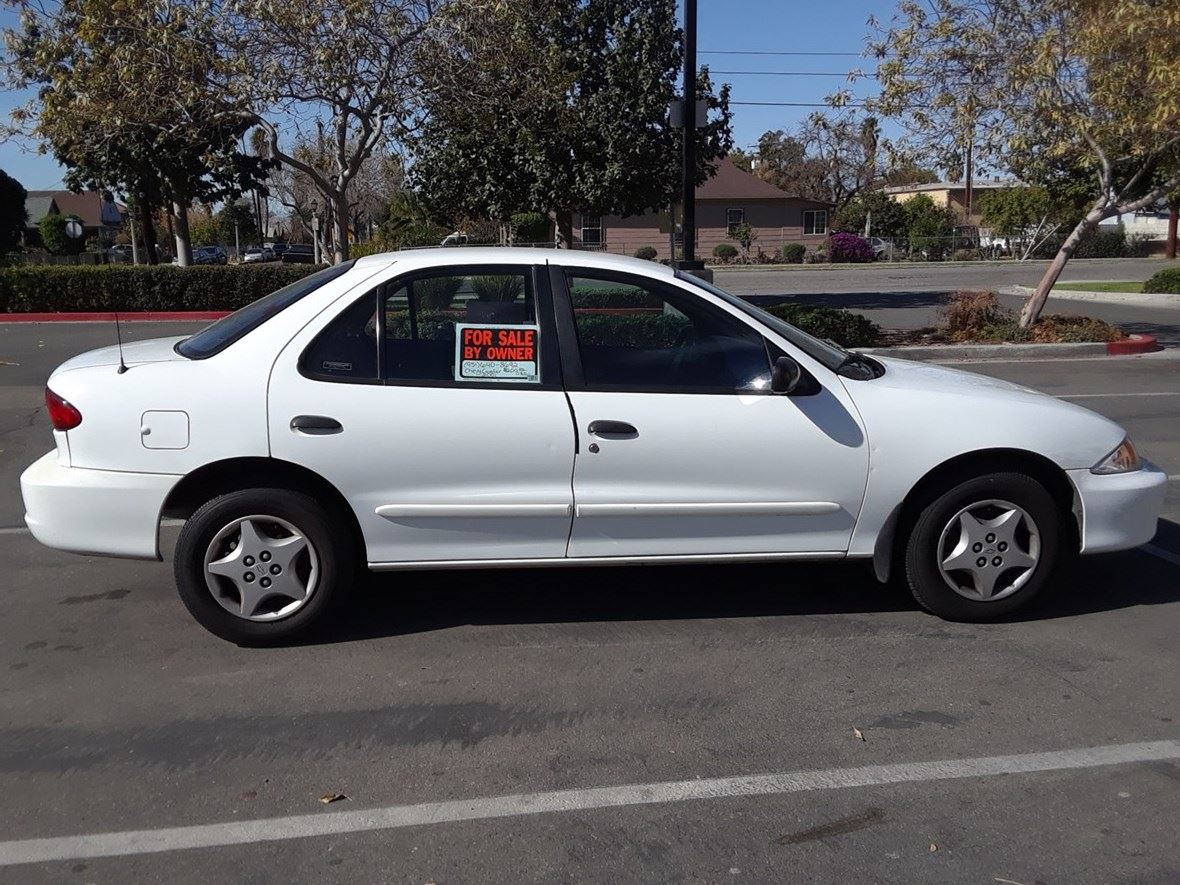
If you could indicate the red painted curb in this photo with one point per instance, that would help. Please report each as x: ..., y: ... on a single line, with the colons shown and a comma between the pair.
x: 1132, y: 345
x: 142, y: 316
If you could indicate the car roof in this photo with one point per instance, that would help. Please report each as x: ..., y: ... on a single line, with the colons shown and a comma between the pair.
x: 440, y: 256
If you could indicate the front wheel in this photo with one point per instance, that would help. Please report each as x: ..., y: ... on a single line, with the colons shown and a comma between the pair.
x: 261, y: 566
x: 984, y: 547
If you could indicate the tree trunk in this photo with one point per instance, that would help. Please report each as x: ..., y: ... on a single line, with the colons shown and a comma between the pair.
x: 563, y: 221
x: 340, y: 218
x: 147, y: 227
x: 1173, y: 216
x: 1031, y: 311
x: 184, y: 247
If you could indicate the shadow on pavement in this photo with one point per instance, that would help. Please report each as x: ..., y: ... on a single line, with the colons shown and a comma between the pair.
x: 856, y: 300
x: 394, y: 603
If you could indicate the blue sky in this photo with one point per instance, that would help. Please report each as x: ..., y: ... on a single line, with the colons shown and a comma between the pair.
x: 747, y: 25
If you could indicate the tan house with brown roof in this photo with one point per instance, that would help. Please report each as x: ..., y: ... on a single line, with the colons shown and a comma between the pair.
x: 728, y: 199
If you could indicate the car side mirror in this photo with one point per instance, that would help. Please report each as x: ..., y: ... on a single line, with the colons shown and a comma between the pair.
x: 785, y: 376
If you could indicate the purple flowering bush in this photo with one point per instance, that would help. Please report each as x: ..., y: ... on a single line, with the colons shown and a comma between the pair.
x: 844, y: 247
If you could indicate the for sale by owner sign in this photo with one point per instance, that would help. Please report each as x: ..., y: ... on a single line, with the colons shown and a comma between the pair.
x: 488, y: 352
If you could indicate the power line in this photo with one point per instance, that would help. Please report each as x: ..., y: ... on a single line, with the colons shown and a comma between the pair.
x: 793, y: 104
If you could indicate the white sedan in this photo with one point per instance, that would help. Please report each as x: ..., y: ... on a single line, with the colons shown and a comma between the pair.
x: 459, y: 408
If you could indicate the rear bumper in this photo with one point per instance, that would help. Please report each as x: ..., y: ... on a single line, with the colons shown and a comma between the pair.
x: 94, y: 511
x: 1119, y: 511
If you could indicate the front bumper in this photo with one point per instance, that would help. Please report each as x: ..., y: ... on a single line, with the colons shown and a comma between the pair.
x: 1119, y: 510
x: 94, y: 511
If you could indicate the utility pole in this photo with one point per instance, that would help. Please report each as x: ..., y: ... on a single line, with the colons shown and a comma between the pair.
x: 688, y: 225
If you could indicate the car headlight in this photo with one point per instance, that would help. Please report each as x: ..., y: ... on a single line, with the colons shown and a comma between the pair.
x: 1124, y: 459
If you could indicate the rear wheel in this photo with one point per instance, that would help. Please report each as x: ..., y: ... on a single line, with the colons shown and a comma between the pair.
x: 261, y: 566
x: 984, y: 547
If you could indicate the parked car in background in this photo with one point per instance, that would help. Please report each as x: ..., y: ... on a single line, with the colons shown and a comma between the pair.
x: 120, y: 253
x: 208, y: 255
x: 278, y: 249
x: 298, y: 253
x: 257, y: 256
x: 460, y: 407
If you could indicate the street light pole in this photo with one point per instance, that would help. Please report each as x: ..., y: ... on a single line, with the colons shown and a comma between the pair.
x: 688, y: 224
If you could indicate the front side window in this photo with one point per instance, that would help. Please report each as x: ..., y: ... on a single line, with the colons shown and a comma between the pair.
x: 591, y: 229
x: 477, y: 327
x: 636, y: 334
x: 815, y: 221
x: 225, y: 331
x: 734, y: 218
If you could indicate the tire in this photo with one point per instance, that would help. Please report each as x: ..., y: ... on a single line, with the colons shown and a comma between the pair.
x: 291, y: 590
x: 954, y: 529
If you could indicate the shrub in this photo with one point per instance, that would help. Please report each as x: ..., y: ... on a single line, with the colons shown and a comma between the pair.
x: 1167, y: 280
x: 967, y: 255
x: 844, y: 327
x: 616, y: 297
x: 52, y: 288
x: 793, y: 253
x: 1103, y: 242
x: 850, y: 248
x: 968, y: 313
x: 1138, y: 246
x: 529, y: 227
x: 817, y: 257
x: 436, y: 293
x: 498, y: 287
x: 647, y: 253
x: 725, y: 251
x: 630, y: 330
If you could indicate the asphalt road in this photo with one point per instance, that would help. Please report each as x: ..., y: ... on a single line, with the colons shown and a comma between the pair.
x: 118, y: 714
x: 909, y: 296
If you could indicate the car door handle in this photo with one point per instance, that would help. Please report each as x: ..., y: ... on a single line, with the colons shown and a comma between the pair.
x: 315, y: 425
x: 613, y: 429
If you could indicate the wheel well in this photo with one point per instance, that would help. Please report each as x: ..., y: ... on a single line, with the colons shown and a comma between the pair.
x: 220, y: 477
x: 946, y: 474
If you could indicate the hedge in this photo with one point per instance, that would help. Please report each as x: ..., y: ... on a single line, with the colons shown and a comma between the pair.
x: 1167, y: 280
x: 56, y: 288
x: 616, y: 297
x: 793, y: 253
x: 844, y: 327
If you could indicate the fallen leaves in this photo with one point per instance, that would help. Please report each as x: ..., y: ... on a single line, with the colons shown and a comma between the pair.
x: 329, y: 798
x: 857, y: 733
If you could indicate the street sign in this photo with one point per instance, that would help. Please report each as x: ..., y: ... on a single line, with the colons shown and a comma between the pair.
x: 74, y: 228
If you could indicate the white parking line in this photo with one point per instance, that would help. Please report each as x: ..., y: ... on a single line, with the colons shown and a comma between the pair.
x: 431, y: 813
x: 15, y: 530
x: 1117, y: 395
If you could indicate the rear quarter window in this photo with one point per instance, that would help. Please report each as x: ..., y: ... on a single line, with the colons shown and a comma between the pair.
x: 216, y: 337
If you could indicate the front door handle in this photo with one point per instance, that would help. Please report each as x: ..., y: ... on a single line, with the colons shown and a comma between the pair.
x: 613, y: 429
x: 315, y: 425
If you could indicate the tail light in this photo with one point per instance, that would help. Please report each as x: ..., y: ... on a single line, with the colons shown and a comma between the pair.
x: 62, y: 415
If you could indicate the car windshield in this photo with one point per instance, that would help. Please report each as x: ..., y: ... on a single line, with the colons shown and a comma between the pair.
x: 824, y: 352
x: 221, y: 334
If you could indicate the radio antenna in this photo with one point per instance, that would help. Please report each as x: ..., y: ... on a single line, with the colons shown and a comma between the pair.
x: 119, y: 338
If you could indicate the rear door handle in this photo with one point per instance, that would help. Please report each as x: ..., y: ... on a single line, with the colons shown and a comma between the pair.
x: 613, y: 429
x: 315, y: 425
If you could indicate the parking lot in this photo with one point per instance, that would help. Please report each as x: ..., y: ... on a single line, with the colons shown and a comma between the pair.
x: 505, y: 726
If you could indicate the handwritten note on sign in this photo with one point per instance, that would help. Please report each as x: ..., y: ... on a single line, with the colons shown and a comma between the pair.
x: 487, y: 352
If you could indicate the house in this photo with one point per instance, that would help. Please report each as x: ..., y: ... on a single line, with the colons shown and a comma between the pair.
x: 731, y: 197
x: 101, y: 218
x: 952, y: 194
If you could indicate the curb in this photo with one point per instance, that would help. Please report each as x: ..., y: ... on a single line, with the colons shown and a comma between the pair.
x: 142, y: 316
x: 1133, y: 345
x: 1161, y: 299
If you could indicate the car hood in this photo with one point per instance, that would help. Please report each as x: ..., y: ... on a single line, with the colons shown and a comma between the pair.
x: 135, y: 353
x: 949, y: 412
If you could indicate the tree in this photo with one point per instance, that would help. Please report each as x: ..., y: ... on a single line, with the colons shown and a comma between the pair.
x: 1036, y: 86
x: 883, y: 215
x: 746, y: 236
x: 126, y: 101
x: 13, y: 216
x: 846, y: 149
x: 929, y: 227
x: 1027, y: 214
x: 908, y: 171
x: 52, y: 229
x: 236, y: 224
x: 782, y: 160
x: 550, y: 106
x: 354, y: 91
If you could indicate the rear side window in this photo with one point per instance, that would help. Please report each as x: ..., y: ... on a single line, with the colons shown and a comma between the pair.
x: 221, y: 334
x: 463, y: 327
x: 347, y: 349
